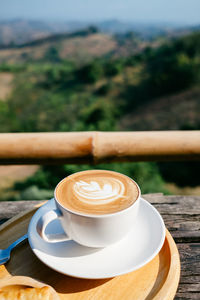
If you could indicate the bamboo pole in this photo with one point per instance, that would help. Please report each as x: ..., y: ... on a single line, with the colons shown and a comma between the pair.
x: 147, y: 146
x: 98, y: 147
x: 45, y: 148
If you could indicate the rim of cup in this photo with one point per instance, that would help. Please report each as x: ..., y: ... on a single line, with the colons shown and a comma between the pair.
x: 105, y: 215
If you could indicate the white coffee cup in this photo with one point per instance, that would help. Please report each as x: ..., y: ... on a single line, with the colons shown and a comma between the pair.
x: 89, y: 229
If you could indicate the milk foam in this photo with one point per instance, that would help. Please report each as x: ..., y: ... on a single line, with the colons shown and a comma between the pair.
x: 95, y: 193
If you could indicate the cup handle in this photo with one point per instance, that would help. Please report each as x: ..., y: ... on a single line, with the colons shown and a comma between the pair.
x: 48, y: 217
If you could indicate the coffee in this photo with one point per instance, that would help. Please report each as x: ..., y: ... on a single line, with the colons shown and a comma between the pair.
x: 97, y: 192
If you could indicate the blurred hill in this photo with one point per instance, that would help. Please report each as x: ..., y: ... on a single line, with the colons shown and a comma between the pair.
x: 24, y: 41
x: 154, y: 85
x: 173, y: 112
x: 88, y: 80
x: 21, y: 31
x: 80, y: 47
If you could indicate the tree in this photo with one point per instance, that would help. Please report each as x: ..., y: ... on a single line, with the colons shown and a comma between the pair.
x: 91, y: 72
x: 52, y: 55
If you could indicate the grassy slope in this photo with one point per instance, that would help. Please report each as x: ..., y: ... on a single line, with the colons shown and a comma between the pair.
x: 166, y: 113
x: 77, y: 48
x: 74, y: 48
x: 5, y: 84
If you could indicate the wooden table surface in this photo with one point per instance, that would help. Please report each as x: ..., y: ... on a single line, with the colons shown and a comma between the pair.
x: 182, y: 218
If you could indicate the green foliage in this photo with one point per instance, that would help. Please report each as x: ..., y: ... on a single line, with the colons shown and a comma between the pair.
x: 56, y: 95
x: 104, y: 89
x: 100, y: 115
x: 169, y: 72
x: 189, y: 126
x: 189, y: 44
x: 12, y: 68
x: 113, y: 68
x: 90, y: 73
x: 52, y: 55
x: 133, y: 60
x: 34, y: 107
x: 4, y: 116
x: 33, y: 193
x: 184, y: 173
x: 167, y: 69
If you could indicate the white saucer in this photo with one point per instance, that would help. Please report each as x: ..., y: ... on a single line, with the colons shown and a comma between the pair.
x: 140, y: 246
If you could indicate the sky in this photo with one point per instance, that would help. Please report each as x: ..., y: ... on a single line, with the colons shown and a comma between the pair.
x: 172, y: 11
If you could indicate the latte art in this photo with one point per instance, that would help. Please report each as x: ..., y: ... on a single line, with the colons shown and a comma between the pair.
x: 92, y: 193
x: 96, y: 192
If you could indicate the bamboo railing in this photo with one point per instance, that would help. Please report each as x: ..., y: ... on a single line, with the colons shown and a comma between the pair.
x: 97, y: 147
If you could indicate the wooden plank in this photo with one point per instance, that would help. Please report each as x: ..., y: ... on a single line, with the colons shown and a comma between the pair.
x: 189, y: 286
x: 98, y: 147
x: 187, y: 296
x: 9, y: 209
x: 190, y: 261
x: 176, y: 205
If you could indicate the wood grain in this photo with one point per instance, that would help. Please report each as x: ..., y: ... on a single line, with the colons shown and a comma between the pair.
x: 157, y: 280
x: 182, y: 217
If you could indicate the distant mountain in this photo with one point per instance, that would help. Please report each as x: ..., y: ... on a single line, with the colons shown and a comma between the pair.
x: 21, y: 31
x: 145, y: 30
x: 115, y: 26
x: 79, y: 47
x: 53, y: 38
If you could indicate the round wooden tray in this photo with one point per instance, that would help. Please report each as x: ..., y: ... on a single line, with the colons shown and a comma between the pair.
x: 157, y: 280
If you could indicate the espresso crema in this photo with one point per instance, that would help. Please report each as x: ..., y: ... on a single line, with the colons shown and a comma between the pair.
x: 97, y: 192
